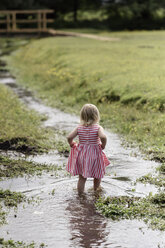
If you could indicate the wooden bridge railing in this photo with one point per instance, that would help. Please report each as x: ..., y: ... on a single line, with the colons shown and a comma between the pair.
x: 11, y: 21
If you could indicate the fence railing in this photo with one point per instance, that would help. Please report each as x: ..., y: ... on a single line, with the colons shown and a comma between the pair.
x: 10, y: 20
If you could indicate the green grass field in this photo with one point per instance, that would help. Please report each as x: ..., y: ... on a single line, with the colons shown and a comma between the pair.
x: 124, y: 78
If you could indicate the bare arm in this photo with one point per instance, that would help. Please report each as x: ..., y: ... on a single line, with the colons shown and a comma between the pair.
x: 103, y: 137
x: 71, y: 136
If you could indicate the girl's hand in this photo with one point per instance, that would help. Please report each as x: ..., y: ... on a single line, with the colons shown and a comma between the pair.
x: 102, y: 147
x: 73, y: 144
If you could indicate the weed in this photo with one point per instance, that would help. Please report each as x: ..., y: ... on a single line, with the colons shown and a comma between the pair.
x: 19, y: 244
x: 158, y: 180
x: 9, y: 199
x: 151, y: 209
x: 13, y: 168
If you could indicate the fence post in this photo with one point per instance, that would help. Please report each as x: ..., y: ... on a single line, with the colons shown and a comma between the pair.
x: 14, y: 27
x: 44, y: 22
x: 39, y: 21
x: 8, y: 22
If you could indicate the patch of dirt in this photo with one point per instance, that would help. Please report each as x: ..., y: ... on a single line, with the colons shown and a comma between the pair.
x: 2, y: 63
x: 160, y: 159
x: 17, y: 144
x: 90, y: 36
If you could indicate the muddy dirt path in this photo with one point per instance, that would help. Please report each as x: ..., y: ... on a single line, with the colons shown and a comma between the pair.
x: 82, y: 35
x: 61, y: 218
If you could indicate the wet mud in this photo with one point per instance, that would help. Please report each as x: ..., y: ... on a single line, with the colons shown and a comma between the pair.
x: 13, y: 144
x: 62, y: 218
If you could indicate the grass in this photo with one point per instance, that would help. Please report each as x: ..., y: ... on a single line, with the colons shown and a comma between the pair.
x: 18, y: 244
x: 151, y: 209
x: 125, y: 79
x: 158, y: 179
x: 10, y: 168
x: 9, y: 199
x: 7, y: 45
x: 20, y: 129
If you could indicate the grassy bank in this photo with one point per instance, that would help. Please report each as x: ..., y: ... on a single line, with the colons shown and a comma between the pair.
x: 124, y: 78
x: 20, y: 128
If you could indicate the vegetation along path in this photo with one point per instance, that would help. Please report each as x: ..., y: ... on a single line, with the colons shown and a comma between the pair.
x: 58, y: 217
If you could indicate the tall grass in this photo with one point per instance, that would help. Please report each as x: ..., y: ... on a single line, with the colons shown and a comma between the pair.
x: 19, y: 127
x: 124, y: 78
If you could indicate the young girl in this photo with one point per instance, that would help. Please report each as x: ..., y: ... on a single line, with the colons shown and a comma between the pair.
x: 87, y: 158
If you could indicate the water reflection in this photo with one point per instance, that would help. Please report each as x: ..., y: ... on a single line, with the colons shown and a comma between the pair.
x: 88, y: 228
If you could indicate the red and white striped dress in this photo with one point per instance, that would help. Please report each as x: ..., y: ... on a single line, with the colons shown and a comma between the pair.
x: 87, y: 158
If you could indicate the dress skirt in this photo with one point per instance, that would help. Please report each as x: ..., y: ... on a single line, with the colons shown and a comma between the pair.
x: 87, y: 160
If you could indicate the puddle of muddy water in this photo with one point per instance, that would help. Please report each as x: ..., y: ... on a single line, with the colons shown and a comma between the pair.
x: 62, y: 219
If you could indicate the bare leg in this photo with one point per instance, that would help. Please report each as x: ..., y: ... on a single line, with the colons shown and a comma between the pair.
x: 81, y: 184
x: 96, y: 183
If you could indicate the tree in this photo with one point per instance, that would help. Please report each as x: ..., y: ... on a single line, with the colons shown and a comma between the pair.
x: 17, y: 4
x: 139, y: 8
x: 75, y: 9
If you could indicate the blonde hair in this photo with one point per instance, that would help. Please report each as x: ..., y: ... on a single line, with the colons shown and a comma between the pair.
x: 89, y: 115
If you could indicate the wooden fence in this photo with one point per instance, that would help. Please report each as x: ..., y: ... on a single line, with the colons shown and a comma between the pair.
x: 10, y: 20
